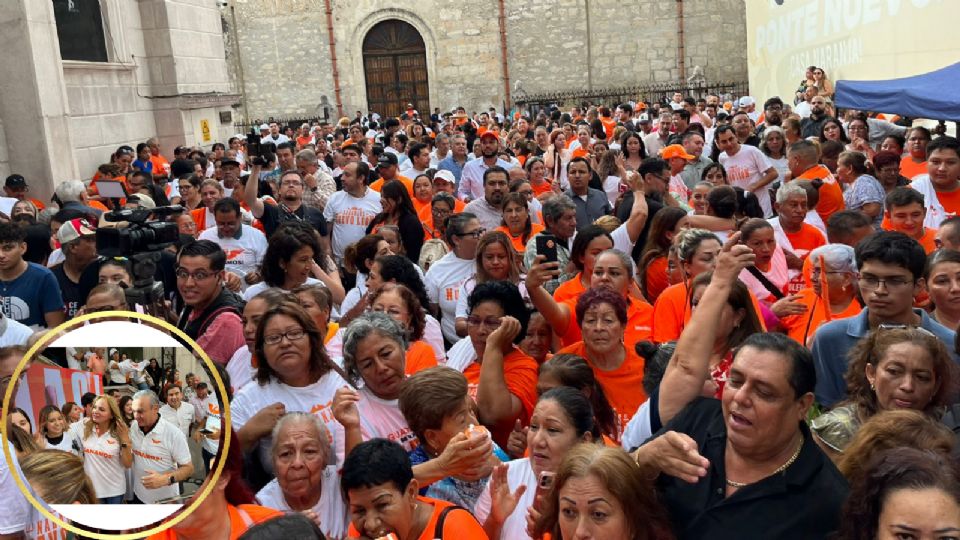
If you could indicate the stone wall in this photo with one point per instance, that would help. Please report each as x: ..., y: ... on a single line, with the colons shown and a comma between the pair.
x: 4, y: 158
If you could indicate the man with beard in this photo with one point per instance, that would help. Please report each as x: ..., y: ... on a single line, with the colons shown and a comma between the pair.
x: 743, y: 128
x: 772, y: 114
x: 471, y: 180
x: 693, y: 143
x: 810, y: 127
x: 591, y: 203
x: 489, y: 208
x: 289, y: 206
x: 351, y: 210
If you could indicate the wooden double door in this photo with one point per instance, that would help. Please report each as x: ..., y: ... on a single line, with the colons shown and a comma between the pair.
x: 395, y: 67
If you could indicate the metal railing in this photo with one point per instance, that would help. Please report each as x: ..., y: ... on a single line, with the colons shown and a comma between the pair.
x: 293, y: 121
x: 648, y: 93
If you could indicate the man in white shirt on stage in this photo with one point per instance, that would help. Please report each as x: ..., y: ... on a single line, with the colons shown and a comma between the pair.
x: 161, y: 457
x: 178, y: 412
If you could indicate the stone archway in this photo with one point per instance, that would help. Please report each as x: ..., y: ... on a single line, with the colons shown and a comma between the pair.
x: 395, y: 69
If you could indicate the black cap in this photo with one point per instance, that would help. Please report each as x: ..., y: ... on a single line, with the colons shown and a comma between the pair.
x: 229, y: 161
x: 386, y: 159
x: 16, y: 181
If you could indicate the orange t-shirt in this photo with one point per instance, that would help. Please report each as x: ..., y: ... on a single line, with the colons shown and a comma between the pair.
x: 571, y: 288
x: 638, y: 328
x: 950, y: 202
x: 520, y: 373
x: 608, y: 125
x: 580, y: 152
x: 518, y: 244
x: 419, y: 205
x: 831, y: 194
x: 927, y: 240
x: 426, y: 219
x: 671, y: 313
x: 303, y: 141
x: 655, y: 278
x: 241, y: 518
x: 806, y: 324
x: 807, y: 239
x: 622, y: 386
x: 407, y: 183
x: 540, y: 189
x: 160, y: 165
x: 458, y: 524
x: 910, y: 168
x: 420, y: 356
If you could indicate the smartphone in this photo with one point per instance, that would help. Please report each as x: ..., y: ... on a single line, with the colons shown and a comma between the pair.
x: 547, y: 246
x: 253, y: 144
x: 206, y: 431
x: 544, y: 483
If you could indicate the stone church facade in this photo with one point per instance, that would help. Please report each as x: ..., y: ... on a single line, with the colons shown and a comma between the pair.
x: 303, y: 58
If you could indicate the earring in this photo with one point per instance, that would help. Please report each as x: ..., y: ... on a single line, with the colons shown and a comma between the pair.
x: 872, y: 386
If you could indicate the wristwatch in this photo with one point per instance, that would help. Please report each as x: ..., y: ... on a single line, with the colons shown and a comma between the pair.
x: 173, y: 480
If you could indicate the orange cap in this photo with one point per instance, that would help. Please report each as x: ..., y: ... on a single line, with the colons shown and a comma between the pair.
x: 675, y: 151
x: 641, y: 106
x: 727, y: 105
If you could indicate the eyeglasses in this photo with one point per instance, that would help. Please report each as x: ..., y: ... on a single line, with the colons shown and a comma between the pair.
x: 475, y: 234
x: 816, y: 272
x: 900, y: 326
x: 393, y: 313
x: 292, y: 183
x: 492, y: 323
x: 892, y: 283
x: 182, y: 187
x: 291, y: 335
x: 200, y: 275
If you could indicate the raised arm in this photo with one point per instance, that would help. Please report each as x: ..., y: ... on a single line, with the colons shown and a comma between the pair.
x: 690, y: 364
x: 497, y: 405
x: 557, y: 315
x: 639, y: 212
x: 250, y: 192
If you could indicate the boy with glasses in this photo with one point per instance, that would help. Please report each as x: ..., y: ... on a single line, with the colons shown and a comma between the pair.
x: 211, y: 315
x: 890, y: 266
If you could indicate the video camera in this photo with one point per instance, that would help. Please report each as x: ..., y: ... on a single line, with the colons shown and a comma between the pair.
x: 141, y: 241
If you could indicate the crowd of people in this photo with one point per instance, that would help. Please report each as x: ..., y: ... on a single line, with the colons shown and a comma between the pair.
x: 689, y: 319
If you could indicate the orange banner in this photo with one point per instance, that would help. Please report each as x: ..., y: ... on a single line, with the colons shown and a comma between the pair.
x: 49, y: 385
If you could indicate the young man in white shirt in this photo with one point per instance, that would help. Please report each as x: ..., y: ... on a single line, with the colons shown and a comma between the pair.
x: 348, y: 212
x: 747, y: 167
x: 243, y: 245
x: 178, y: 412
x: 134, y: 371
x: 161, y: 457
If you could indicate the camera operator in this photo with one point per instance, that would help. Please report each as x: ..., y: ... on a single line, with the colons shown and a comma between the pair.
x: 79, y: 246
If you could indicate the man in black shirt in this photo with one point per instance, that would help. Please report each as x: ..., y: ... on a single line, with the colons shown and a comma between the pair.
x: 289, y: 205
x: 78, y: 241
x: 656, y: 177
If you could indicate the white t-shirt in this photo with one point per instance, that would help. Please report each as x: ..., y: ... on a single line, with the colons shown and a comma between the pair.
x: 16, y: 509
x: 163, y: 450
x: 611, y: 186
x: 382, y: 419
x: 205, y: 406
x: 433, y: 335
x: 316, y: 398
x: 182, y: 417
x: 519, y: 472
x: 258, y: 288
x: 330, y: 508
x: 443, y: 282
x: 281, y: 138
x: 745, y: 168
x: 461, y: 355
x: 241, y: 369
x: 137, y: 370
x: 15, y: 333
x: 244, y: 254
x: 212, y: 423
x: 350, y: 216
x: 101, y: 461
x: 116, y: 373
x: 638, y: 429
x: 66, y: 443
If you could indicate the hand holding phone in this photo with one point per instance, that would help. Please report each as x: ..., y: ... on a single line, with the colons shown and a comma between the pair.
x: 547, y: 246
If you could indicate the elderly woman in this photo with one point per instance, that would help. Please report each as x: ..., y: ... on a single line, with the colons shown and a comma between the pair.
x: 445, y: 275
x: 380, y: 488
x: 401, y: 304
x: 863, y: 192
x: 611, y: 270
x: 442, y: 415
x: 496, y: 261
x: 502, y: 377
x: 840, y: 277
x: 754, y: 439
x: 306, y: 474
x: 294, y: 374
x: 562, y: 419
x: 291, y: 261
x: 892, y: 368
x: 598, y: 492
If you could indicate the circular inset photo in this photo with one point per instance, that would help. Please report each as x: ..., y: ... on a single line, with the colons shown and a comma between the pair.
x: 112, y: 427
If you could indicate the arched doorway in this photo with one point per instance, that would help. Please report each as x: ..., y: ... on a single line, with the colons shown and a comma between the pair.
x: 395, y: 65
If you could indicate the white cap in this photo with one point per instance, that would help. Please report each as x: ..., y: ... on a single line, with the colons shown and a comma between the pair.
x: 264, y: 127
x: 113, y: 352
x: 747, y: 101
x: 444, y: 174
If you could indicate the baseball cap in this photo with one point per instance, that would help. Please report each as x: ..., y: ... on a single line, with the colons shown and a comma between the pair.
x: 444, y: 175
x: 229, y: 161
x: 675, y: 151
x: 16, y: 181
x: 644, y: 118
x: 641, y: 106
x: 264, y: 127
x: 489, y: 135
x: 74, y: 229
x: 386, y: 159
x: 747, y: 101
x: 144, y: 201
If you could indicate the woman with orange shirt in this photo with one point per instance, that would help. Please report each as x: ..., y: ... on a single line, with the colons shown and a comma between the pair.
x: 613, y: 271
x: 697, y: 251
x: 422, y: 193
x: 516, y: 223
x: 442, y: 206
x: 581, y: 147
x: 916, y: 163
x: 402, y: 305
x: 537, y: 177
x: 602, y: 315
x: 496, y: 261
x: 382, y: 495
x: 653, y: 260
x: 590, y: 241
x: 840, y: 276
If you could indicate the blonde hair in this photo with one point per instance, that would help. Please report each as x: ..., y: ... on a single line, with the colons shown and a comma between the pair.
x: 607, y: 223
x: 114, y: 410
x: 59, y: 477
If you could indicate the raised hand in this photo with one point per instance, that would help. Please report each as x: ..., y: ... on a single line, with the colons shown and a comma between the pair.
x: 503, y: 502
x: 345, y: 407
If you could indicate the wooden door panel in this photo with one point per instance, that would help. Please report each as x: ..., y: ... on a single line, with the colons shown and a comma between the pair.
x: 395, y: 66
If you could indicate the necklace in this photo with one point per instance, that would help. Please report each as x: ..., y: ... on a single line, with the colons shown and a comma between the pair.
x: 779, y: 470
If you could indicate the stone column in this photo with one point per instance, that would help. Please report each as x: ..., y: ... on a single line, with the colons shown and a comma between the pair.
x: 33, y: 97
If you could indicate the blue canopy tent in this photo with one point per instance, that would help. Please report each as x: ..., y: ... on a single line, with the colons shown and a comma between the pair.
x: 930, y: 95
